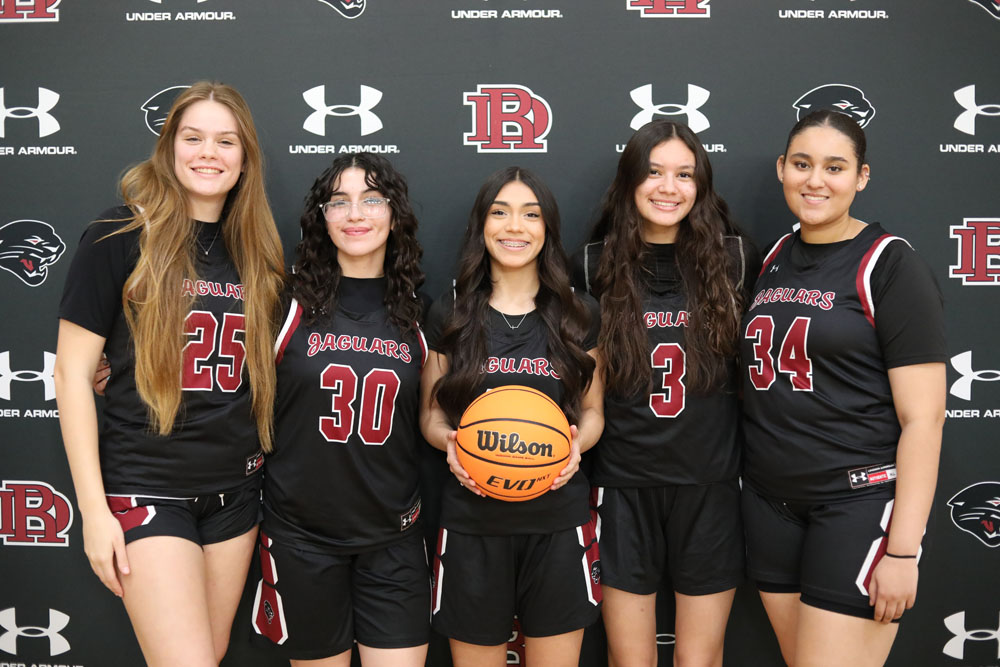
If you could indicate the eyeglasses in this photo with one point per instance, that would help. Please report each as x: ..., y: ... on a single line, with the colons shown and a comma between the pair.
x: 370, y: 207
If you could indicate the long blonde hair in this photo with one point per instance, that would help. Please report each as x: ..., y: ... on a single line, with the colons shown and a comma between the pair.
x: 154, y: 307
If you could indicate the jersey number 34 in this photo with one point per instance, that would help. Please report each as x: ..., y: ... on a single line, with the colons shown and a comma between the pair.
x: 793, y: 356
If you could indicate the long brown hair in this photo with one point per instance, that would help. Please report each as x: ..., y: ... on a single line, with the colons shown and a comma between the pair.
x: 464, y: 337
x: 154, y: 308
x: 706, y: 268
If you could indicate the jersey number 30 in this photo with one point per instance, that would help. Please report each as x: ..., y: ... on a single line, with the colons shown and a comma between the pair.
x: 378, y: 402
x: 793, y: 357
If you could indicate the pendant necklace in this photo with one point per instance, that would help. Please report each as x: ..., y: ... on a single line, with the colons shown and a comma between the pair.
x: 209, y: 248
x: 513, y: 326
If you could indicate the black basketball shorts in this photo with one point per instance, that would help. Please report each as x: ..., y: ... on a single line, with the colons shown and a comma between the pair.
x: 825, y: 551
x: 311, y: 605
x: 552, y: 582
x: 693, y: 533
x: 207, y: 519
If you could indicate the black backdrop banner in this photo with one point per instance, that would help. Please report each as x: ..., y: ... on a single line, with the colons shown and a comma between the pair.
x: 451, y: 90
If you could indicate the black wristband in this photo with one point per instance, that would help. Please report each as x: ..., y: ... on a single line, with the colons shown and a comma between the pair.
x: 897, y: 556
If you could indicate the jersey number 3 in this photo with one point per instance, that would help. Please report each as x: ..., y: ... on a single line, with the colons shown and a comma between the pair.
x: 793, y: 357
x: 670, y: 359
x: 378, y: 403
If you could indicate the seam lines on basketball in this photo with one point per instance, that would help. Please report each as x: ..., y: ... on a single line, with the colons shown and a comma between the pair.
x: 508, y: 464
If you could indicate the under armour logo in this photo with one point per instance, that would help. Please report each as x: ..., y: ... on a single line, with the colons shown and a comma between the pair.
x: 962, y: 387
x: 697, y: 96
x: 28, y: 11
x: 316, y: 122
x: 859, y: 477
x: 774, y: 268
x: 45, y: 376
x: 955, y: 647
x: 966, y: 121
x: 57, y: 621
x: 161, y: 1
x: 47, y: 123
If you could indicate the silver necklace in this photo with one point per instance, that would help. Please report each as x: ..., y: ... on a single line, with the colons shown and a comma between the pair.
x: 209, y: 248
x: 513, y: 326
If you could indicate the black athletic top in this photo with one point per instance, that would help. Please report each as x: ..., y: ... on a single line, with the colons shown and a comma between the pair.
x: 516, y: 356
x: 213, y: 446
x: 825, y: 324
x: 344, y: 473
x: 670, y: 435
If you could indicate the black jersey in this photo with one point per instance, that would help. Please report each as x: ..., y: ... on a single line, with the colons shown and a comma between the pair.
x: 670, y: 435
x: 213, y: 446
x: 823, y: 326
x: 344, y: 473
x: 515, y: 356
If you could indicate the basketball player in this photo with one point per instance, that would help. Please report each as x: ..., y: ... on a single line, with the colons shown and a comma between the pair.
x: 670, y: 268
x: 536, y: 559
x: 180, y: 287
x: 341, y: 553
x: 844, y: 389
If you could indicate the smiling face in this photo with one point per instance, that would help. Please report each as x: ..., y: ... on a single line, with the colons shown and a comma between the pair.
x: 514, y: 231
x: 820, y: 176
x: 208, y: 157
x: 668, y: 193
x: 360, y: 239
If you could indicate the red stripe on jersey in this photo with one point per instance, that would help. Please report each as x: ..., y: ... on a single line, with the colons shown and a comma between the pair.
x: 863, y: 280
x: 773, y: 252
x: 285, y: 335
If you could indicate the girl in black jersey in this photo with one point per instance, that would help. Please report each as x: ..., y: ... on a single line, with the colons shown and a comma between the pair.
x: 180, y: 289
x: 668, y: 265
x: 513, y: 302
x: 844, y: 390
x: 341, y: 554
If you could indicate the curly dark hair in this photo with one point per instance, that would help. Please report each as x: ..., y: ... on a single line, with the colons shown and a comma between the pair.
x: 714, y: 301
x: 464, y: 337
x: 317, y: 273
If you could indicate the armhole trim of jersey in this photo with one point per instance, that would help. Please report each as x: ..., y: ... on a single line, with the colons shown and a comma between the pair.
x: 422, y: 340
x: 287, y: 329
x: 772, y: 253
x: 864, y: 278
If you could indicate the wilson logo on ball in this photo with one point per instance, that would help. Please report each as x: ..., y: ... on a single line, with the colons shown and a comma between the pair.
x: 513, y: 441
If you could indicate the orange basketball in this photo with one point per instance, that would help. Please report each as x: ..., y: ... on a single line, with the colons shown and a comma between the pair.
x: 513, y: 441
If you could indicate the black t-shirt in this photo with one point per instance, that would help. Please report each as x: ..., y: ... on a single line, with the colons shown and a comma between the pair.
x: 343, y: 476
x: 823, y: 327
x: 670, y: 435
x: 214, y: 445
x: 515, y: 356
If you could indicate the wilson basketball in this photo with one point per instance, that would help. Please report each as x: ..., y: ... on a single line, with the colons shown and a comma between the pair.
x: 513, y: 441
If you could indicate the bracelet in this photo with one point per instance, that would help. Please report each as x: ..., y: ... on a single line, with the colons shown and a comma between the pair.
x: 898, y: 556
